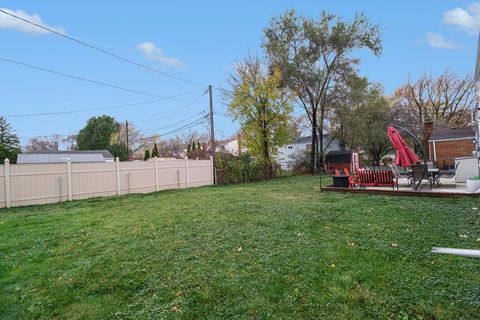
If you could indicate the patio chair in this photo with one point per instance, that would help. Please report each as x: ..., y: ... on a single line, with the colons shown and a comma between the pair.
x: 419, y: 173
x: 352, y: 180
x: 449, y: 174
x: 337, y: 172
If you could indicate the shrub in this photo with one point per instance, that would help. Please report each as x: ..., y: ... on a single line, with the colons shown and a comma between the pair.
x: 300, y: 162
x: 237, y: 169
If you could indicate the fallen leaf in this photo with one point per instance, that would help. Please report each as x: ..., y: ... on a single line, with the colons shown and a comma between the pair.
x: 178, y: 293
x: 351, y: 244
x: 240, y: 249
x: 463, y: 236
x: 394, y: 244
x: 332, y: 265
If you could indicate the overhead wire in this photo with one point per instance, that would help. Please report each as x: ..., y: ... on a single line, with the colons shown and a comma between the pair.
x: 102, y: 50
x: 82, y: 79
x: 96, y: 109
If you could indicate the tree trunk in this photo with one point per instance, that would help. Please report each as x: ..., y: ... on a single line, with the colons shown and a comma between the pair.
x: 314, y: 141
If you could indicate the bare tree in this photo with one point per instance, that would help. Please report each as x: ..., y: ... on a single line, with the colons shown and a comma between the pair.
x: 44, y: 144
x: 447, y: 99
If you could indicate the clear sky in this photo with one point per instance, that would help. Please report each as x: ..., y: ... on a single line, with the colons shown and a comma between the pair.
x: 198, y: 41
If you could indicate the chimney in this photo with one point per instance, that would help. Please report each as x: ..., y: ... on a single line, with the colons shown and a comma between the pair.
x: 427, y: 132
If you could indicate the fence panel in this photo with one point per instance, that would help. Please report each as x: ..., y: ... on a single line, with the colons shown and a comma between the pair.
x: 199, y: 173
x: 3, y: 203
x: 171, y: 174
x: 93, y: 180
x: 38, y: 184
x: 137, y: 177
x: 49, y: 183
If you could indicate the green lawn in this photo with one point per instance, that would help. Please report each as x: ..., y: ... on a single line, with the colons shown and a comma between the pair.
x: 270, y: 250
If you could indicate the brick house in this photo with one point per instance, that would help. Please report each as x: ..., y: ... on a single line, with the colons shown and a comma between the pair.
x: 446, y: 143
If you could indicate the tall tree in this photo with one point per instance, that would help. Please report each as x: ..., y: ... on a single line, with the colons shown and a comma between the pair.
x: 312, y: 55
x: 447, y: 99
x: 9, y: 142
x: 262, y: 107
x: 97, y: 133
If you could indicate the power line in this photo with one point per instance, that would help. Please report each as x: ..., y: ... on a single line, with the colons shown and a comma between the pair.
x: 195, y: 122
x: 96, y: 109
x: 82, y: 79
x: 181, y: 121
x: 102, y: 50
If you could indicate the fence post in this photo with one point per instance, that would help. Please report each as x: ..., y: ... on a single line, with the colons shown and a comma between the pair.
x: 69, y: 180
x: 186, y: 172
x: 8, y: 200
x: 156, y: 173
x: 117, y: 172
x: 211, y: 170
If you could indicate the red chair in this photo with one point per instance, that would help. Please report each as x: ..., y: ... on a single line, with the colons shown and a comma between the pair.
x: 352, y: 180
x: 337, y: 173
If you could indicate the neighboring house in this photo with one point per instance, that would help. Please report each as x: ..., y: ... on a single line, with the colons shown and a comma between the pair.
x: 231, y: 146
x: 445, y: 144
x: 63, y: 156
x: 303, y: 144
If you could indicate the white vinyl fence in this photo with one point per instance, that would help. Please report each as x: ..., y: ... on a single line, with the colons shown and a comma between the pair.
x: 26, y: 184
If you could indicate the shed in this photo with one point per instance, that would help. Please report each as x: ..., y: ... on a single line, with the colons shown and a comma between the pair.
x: 80, y: 156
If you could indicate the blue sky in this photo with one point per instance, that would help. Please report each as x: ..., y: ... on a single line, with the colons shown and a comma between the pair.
x: 198, y: 41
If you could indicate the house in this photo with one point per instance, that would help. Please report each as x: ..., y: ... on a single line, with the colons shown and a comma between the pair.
x: 231, y: 145
x: 447, y: 143
x: 63, y: 156
x: 303, y: 144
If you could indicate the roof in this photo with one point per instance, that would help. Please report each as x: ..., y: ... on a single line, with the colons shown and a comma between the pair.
x: 63, y: 156
x: 305, y: 140
x: 340, y: 153
x: 447, y: 133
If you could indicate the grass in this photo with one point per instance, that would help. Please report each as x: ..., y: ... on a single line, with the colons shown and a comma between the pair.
x: 270, y: 250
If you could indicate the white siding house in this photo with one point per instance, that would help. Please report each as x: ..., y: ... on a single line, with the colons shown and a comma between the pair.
x: 287, y: 152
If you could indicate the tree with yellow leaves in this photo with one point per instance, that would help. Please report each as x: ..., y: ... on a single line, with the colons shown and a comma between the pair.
x: 262, y: 106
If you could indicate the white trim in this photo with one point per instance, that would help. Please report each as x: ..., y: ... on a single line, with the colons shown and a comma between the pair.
x: 434, y: 151
x: 453, y: 139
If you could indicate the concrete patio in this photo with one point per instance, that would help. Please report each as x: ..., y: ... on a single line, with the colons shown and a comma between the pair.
x: 448, y: 188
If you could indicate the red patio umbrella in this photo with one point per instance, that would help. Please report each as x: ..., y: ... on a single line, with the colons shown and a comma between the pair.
x: 405, y: 156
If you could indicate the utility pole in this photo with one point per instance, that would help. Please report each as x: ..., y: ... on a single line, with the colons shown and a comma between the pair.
x: 128, y: 148
x: 212, y: 131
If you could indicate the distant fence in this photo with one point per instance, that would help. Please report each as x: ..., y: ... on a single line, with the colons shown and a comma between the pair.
x: 27, y: 184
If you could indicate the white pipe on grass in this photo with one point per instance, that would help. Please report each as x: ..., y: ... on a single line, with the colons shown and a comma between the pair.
x: 458, y: 252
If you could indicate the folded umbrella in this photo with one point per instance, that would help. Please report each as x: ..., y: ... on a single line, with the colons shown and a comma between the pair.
x: 405, y: 156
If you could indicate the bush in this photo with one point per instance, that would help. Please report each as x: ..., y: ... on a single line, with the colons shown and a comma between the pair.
x: 237, y: 169
x: 300, y: 162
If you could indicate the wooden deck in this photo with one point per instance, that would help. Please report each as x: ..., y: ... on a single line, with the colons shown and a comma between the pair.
x: 448, y: 188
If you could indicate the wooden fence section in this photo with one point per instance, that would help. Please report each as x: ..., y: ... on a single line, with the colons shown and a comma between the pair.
x: 27, y: 184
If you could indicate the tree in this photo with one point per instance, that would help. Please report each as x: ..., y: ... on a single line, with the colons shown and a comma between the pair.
x: 146, y: 155
x: 262, y: 107
x: 9, y: 142
x: 97, y: 133
x: 312, y: 56
x: 43, y: 144
x: 447, y: 100
x: 372, y: 119
x: 155, y: 150
x: 137, y: 141
x: 119, y: 151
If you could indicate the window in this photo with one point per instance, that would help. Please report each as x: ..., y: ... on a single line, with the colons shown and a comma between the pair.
x: 289, y: 147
